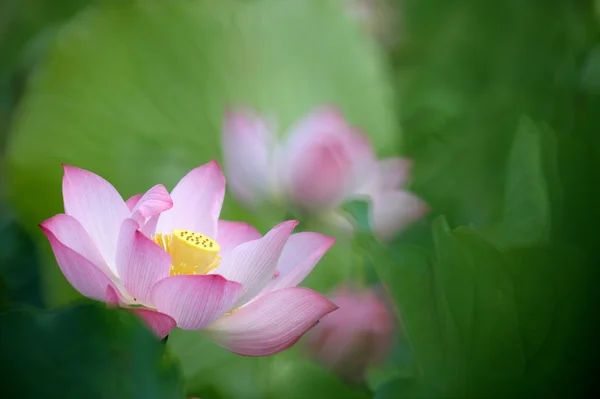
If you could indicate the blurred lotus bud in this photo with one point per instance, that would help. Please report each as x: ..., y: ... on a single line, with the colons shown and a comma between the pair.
x: 354, y: 337
x: 318, y: 164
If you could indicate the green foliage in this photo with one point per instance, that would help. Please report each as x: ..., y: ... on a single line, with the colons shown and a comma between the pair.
x: 213, y: 372
x: 298, y: 379
x: 19, y: 264
x: 84, y: 351
x: 482, y: 322
x: 465, y: 82
x: 21, y: 20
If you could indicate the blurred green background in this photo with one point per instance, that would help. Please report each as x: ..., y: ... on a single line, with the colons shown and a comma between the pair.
x: 497, y: 102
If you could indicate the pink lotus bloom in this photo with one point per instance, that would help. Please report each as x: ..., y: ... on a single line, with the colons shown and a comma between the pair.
x: 357, y: 335
x: 170, y: 255
x: 318, y: 165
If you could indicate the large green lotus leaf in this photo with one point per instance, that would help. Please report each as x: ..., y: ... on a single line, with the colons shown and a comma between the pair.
x: 495, y: 348
x: 211, y: 371
x: 19, y: 264
x: 292, y: 378
x: 407, y: 388
x: 136, y: 91
x: 84, y: 351
x: 22, y: 19
x: 551, y: 295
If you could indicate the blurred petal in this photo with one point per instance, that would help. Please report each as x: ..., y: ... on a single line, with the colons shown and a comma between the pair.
x: 232, y: 234
x: 300, y: 255
x: 194, y: 301
x: 86, y: 278
x: 197, y: 201
x: 71, y: 233
x: 140, y: 262
x: 365, y: 167
x: 325, y: 159
x: 327, y: 122
x: 394, y: 172
x: 96, y: 204
x: 319, y: 178
x: 271, y: 323
x: 246, y: 142
x: 155, y: 201
x: 355, y: 336
x: 327, y: 119
x: 253, y: 263
x: 131, y: 202
x: 392, y: 211
x: 160, y: 323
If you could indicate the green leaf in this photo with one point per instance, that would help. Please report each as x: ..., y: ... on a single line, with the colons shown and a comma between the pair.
x: 409, y: 278
x: 591, y: 70
x: 294, y: 378
x: 115, y: 95
x: 210, y: 368
x: 19, y: 264
x: 407, y: 388
x: 526, y: 212
x: 358, y: 210
x: 551, y: 300
x: 84, y: 351
x: 496, y: 351
x: 549, y: 147
x: 536, y: 294
x: 214, y: 372
x: 458, y: 312
x: 456, y: 280
x: 22, y: 19
x: 454, y: 295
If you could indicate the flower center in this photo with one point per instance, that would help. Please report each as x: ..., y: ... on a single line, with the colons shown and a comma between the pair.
x: 191, y: 253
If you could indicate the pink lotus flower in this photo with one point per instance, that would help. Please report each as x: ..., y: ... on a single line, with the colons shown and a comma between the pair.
x: 320, y: 163
x: 357, y: 335
x: 172, y: 257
